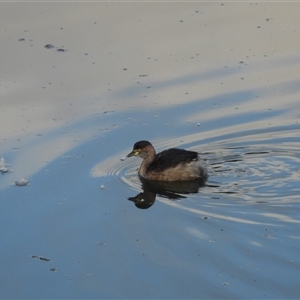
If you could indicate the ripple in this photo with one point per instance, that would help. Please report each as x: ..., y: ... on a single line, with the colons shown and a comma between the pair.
x: 259, y: 165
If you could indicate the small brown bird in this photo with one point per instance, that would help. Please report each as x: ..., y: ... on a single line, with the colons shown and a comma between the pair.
x: 168, y: 165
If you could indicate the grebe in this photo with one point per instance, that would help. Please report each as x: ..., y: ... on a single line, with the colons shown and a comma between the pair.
x: 168, y: 165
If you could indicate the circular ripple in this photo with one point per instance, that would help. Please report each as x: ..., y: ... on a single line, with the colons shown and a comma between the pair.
x: 258, y: 165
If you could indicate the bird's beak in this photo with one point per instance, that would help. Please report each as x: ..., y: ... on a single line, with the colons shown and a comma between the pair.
x: 133, y: 153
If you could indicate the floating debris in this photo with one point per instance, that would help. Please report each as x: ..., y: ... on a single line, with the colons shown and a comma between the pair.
x: 4, y: 170
x: 102, y: 186
x: 53, y: 270
x: 101, y: 243
x: 123, y: 158
x: 40, y: 258
x: 49, y: 46
x: 3, y: 166
x: 22, y: 182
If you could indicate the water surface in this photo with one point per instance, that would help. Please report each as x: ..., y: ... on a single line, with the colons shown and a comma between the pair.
x: 218, y: 78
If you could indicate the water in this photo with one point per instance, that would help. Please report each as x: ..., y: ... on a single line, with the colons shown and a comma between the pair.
x: 86, y: 226
x: 240, y: 231
x: 237, y: 236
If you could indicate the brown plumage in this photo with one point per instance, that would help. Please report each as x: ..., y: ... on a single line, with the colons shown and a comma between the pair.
x: 168, y: 165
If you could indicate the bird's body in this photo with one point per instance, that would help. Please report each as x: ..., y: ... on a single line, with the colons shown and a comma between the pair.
x: 168, y: 165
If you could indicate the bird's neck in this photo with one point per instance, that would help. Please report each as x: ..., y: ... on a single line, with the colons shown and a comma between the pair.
x: 147, y: 161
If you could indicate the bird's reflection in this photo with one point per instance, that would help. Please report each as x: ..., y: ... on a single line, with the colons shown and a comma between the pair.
x: 172, y: 190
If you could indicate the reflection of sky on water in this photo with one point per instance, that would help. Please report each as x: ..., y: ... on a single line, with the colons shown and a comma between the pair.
x: 236, y: 108
x: 69, y: 118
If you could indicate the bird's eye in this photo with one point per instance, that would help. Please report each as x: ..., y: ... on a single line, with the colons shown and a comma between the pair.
x: 137, y: 151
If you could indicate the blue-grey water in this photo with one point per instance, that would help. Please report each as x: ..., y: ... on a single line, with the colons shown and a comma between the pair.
x: 237, y: 237
x: 80, y: 227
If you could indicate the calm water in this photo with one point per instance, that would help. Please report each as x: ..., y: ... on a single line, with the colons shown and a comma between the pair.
x: 86, y: 226
x: 238, y: 236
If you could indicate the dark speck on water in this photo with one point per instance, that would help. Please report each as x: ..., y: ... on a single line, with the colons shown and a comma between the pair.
x: 48, y: 46
x: 40, y: 258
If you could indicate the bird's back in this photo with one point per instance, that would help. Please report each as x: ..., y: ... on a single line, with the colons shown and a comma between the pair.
x: 171, y: 158
x: 175, y: 164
